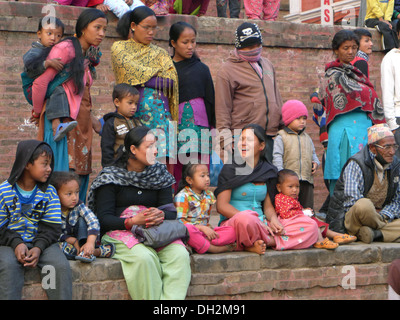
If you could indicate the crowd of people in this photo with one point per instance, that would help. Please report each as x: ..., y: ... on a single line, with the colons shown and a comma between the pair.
x: 49, y: 213
x: 254, y: 9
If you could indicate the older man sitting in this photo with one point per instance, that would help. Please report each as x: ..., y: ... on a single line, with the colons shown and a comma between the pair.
x: 366, y: 200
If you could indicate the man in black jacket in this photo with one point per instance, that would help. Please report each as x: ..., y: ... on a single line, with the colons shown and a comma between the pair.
x: 366, y: 200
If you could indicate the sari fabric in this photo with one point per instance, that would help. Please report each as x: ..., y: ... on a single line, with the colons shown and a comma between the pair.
x: 135, y: 63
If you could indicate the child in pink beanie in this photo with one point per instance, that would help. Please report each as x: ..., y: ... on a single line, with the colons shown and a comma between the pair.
x: 294, y: 149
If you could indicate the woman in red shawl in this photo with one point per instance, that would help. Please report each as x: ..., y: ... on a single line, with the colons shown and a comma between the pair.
x: 351, y: 105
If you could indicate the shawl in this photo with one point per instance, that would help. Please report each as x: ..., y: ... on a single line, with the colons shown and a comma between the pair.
x: 263, y: 172
x: 195, y: 82
x: 347, y: 89
x: 135, y: 63
x: 155, y: 177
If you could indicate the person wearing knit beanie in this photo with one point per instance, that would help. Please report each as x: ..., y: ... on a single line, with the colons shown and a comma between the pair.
x: 292, y: 110
x: 294, y: 149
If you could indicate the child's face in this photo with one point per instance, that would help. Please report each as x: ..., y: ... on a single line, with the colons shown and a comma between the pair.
x: 69, y: 194
x: 366, y: 45
x: 127, y: 106
x: 200, y: 180
x: 298, y: 124
x: 290, y: 187
x: 185, y: 45
x: 50, y: 36
x: 40, y: 169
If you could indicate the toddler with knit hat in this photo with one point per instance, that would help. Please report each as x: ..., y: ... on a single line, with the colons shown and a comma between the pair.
x: 294, y: 156
x: 294, y: 149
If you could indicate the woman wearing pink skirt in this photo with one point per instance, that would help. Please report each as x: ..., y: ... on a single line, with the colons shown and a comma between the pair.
x: 245, y: 196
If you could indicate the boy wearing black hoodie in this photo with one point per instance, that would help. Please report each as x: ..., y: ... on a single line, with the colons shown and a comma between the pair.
x: 30, y: 224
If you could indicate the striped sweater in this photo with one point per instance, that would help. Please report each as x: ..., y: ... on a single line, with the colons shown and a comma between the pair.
x: 40, y: 224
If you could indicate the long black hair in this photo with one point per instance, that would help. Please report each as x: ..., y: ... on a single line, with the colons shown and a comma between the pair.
x: 135, y: 138
x: 76, y: 66
x: 137, y: 15
x: 259, y: 132
x: 176, y: 30
x: 188, y: 170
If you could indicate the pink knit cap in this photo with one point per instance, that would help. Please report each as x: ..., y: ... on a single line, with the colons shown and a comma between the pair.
x: 293, y: 109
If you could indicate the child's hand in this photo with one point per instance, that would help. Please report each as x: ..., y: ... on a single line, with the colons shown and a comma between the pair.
x: 87, y: 249
x: 103, y: 7
x: 314, y: 167
x: 21, y: 251
x: 54, y: 63
x: 209, y: 232
x: 128, y: 2
x: 32, y: 258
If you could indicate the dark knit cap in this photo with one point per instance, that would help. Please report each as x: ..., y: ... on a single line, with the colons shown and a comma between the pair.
x: 247, y: 34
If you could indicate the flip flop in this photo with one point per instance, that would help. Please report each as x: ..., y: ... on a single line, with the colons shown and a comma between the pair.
x: 107, y: 250
x: 80, y: 257
x: 63, y: 129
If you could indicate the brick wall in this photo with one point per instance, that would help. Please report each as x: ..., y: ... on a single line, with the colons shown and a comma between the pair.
x: 298, y: 51
x: 351, y: 272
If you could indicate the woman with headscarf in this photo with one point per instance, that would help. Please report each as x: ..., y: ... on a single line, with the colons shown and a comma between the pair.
x: 351, y: 106
x: 137, y: 191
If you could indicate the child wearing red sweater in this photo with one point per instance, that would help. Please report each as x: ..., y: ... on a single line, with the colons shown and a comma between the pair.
x: 287, y: 206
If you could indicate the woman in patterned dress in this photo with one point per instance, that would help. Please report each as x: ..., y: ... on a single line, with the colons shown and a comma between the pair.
x: 140, y: 63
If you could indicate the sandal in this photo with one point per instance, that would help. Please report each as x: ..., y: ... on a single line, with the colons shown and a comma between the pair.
x: 63, y: 129
x: 69, y: 250
x: 326, y: 244
x: 80, y: 257
x: 107, y: 250
x: 344, y: 238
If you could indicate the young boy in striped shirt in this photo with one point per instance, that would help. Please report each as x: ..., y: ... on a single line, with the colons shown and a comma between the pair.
x: 30, y: 224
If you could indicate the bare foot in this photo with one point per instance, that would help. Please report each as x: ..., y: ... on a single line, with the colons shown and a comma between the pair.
x: 258, y: 247
x: 220, y: 249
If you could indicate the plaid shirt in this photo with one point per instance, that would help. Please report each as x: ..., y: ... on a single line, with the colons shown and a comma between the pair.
x: 354, y: 190
x: 193, y: 208
x: 68, y: 222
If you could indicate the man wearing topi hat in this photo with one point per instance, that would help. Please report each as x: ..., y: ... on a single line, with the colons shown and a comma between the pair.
x: 246, y: 90
x: 366, y: 200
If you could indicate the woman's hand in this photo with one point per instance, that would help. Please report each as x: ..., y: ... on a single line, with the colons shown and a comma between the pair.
x: 148, y: 217
x: 276, y: 226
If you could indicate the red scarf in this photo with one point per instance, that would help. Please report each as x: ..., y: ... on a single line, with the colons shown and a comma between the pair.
x: 347, y: 89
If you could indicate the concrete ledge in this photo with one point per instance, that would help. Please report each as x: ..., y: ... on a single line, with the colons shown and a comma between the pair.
x: 356, y: 271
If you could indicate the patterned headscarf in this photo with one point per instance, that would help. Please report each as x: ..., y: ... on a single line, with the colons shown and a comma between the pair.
x: 154, y: 177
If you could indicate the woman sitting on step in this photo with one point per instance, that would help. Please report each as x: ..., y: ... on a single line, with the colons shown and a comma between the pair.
x: 245, y: 200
